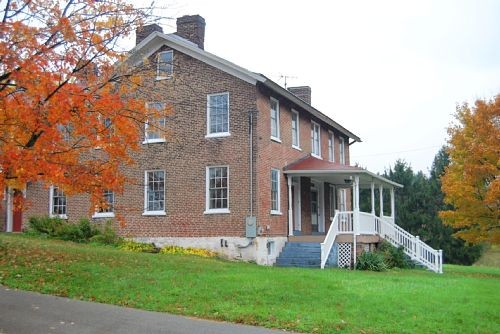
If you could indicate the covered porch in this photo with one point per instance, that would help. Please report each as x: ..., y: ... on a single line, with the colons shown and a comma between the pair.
x: 324, y: 207
x: 317, y: 189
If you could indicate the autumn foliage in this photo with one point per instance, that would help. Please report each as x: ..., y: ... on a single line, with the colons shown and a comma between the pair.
x: 471, y: 182
x: 70, y: 111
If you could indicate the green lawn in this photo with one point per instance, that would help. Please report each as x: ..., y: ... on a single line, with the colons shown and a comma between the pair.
x: 462, y: 300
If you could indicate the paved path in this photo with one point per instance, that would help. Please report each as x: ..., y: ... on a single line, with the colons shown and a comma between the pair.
x: 27, y: 312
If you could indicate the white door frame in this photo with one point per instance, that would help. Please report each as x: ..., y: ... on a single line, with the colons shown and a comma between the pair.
x: 297, y: 203
x: 320, y: 186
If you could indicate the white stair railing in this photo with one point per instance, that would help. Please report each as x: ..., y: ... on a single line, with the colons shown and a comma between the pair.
x: 326, y: 245
x: 413, y: 246
x: 342, y: 223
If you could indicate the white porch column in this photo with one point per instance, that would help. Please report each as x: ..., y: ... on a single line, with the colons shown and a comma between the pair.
x: 290, y: 210
x: 393, y: 206
x: 381, y: 190
x: 10, y: 207
x: 373, y: 197
x: 355, y: 226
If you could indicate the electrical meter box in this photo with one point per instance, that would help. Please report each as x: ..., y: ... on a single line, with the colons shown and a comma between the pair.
x: 251, y: 227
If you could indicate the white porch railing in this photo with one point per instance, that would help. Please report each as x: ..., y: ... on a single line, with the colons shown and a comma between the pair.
x: 342, y: 223
x: 345, y: 223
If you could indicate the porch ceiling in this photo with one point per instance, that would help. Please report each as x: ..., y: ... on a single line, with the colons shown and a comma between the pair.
x: 336, y: 173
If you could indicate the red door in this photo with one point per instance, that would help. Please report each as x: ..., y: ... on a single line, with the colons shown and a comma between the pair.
x: 17, y: 212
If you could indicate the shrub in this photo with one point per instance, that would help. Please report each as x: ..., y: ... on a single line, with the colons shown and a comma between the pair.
x: 395, y: 257
x: 83, y: 231
x: 187, y: 251
x: 45, y: 226
x: 371, y: 261
x: 107, y: 235
x: 139, y: 247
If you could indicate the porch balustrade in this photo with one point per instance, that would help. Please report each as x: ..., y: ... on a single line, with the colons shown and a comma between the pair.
x: 357, y: 223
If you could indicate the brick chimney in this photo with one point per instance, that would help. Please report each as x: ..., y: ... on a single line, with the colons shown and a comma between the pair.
x: 142, y: 32
x: 192, y: 28
x: 302, y: 92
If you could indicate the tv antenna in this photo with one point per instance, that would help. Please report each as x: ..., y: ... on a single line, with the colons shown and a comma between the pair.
x: 283, y: 76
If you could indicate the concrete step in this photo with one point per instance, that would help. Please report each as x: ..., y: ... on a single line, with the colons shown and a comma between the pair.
x: 300, y: 254
x: 303, y: 245
x: 295, y: 262
x: 297, y: 265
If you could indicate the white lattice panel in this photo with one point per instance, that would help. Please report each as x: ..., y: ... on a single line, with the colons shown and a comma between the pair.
x: 345, y: 255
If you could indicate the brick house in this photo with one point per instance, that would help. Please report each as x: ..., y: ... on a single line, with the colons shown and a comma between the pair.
x: 248, y: 166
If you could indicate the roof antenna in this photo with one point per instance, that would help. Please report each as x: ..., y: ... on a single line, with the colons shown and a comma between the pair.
x: 283, y: 76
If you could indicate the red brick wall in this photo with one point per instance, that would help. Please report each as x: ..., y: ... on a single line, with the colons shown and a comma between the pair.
x: 272, y: 154
x: 187, y: 153
x: 184, y: 157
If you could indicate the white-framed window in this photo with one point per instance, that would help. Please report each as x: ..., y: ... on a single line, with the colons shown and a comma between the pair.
x: 108, y: 127
x: 316, y: 139
x: 107, y: 211
x: 165, y: 65
x: 154, y: 193
x: 295, y: 130
x: 218, y: 115
x: 275, y: 192
x: 57, y: 203
x: 154, y: 128
x: 331, y: 145
x: 342, y: 199
x: 342, y: 150
x: 275, y: 119
x: 65, y: 131
x: 217, y: 189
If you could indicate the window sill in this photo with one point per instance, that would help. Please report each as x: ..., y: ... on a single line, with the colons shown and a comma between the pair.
x: 276, y: 213
x: 297, y: 148
x: 316, y: 156
x: 103, y: 215
x: 153, y: 141
x: 216, y: 211
x: 154, y: 213
x: 159, y: 78
x: 276, y: 139
x: 58, y: 216
x: 218, y: 135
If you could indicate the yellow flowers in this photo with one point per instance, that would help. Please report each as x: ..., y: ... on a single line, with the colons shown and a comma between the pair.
x: 187, y: 251
x: 133, y: 246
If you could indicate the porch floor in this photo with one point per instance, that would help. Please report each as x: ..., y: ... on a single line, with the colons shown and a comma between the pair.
x: 306, y: 238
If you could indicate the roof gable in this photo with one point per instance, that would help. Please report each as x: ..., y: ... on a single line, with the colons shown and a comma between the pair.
x: 156, y: 40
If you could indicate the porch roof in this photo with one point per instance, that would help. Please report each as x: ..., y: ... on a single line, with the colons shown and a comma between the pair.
x: 335, y: 173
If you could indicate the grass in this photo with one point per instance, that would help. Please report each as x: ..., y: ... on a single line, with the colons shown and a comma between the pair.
x: 463, y: 300
x: 491, y: 257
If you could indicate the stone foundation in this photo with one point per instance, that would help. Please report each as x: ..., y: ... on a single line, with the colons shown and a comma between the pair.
x: 246, y: 249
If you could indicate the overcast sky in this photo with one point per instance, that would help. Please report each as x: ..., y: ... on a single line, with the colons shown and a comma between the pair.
x: 392, y: 72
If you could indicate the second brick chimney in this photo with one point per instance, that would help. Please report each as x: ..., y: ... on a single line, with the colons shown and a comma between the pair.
x: 192, y: 28
x: 302, y: 92
x: 142, y: 32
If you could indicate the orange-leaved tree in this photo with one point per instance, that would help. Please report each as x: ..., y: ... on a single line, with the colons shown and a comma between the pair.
x: 70, y: 110
x: 471, y: 182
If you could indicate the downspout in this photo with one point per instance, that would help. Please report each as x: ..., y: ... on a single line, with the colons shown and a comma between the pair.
x: 250, y: 124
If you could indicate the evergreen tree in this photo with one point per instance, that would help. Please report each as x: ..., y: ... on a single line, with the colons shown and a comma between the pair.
x: 417, y: 207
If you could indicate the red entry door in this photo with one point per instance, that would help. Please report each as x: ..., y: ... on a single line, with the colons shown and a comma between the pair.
x: 17, y: 212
